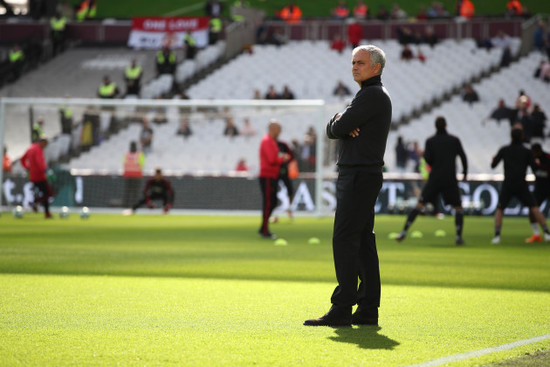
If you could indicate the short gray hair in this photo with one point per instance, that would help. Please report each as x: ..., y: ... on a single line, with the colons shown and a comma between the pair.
x: 377, y: 55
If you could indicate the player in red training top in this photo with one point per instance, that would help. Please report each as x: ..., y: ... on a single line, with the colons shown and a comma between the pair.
x: 33, y: 160
x: 270, y: 164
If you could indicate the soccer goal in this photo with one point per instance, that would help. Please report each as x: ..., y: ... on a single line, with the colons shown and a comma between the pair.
x: 208, y: 149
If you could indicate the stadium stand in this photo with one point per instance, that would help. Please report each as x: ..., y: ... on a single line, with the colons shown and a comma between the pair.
x: 464, y: 120
x: 416, y: 88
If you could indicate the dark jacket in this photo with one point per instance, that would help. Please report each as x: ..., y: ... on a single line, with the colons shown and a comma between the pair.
x: 516, y: 160
x: 441, y: 152
x: 371, y: 112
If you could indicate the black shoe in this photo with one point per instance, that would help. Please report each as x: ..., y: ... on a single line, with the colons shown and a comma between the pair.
x: 401, y: 237
x: 334, y: 318
x: 269, y: 235
x: 459, y: 241
x: 361, y: 317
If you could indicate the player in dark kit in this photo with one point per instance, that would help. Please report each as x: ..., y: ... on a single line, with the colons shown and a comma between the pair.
x: 440, y: 153
x: 157, y: 188
x: 285, y: 178
x: 542, y: 189
x: 516, y: 159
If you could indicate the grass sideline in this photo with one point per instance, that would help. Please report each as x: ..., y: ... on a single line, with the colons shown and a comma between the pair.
x: 184, y: 290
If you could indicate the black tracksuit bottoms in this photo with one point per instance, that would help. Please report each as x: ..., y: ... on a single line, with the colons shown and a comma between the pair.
x: 269, y: 201
x: 354, y: 242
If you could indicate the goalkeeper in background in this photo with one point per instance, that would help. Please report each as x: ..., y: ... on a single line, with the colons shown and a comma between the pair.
x: 156, y: 188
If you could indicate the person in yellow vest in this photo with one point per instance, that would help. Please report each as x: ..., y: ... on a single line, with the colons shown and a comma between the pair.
x: 66, y: 122
x: 166, y: 61
x: 133, y: 164
x: 82, y: 11
x: 237, y: 5
x: 190, y: 45
x: 66, y: 119
x: 92, y: 10
x: 108, y: 89
x: 132, y: 76
x: 215, y: 29
x: 17, y: 61
x: 37, y: 131
x: 58, y: 23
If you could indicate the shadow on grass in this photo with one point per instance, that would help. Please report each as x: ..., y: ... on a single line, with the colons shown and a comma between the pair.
x: 366, y: 337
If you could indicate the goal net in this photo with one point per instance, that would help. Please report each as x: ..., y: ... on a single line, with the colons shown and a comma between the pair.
x: 212, y: 166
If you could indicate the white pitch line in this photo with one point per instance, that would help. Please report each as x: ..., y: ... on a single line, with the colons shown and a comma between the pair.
x: 481, y: 352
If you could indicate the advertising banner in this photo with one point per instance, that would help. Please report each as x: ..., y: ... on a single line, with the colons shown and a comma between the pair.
x: 243, y: 193
x: 156, y: 32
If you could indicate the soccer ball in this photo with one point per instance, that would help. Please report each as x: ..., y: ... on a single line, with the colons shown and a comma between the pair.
x: 85, y: 213
x: 18, y: 212
x: 64, y: 213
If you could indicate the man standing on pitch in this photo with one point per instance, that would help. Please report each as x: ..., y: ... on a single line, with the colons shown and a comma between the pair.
x: 440, y: 153
x: 363, y: 130
x: 516, y: 159
x: 270, y: 165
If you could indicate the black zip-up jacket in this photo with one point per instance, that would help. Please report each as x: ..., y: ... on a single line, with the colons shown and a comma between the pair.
x: 371, y: 112
x: 441, y: 152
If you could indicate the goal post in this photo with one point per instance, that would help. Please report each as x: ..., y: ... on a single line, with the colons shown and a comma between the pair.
x: 102, y: 130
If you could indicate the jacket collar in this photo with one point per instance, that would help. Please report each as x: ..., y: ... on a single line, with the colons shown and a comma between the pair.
x: 375, y: 80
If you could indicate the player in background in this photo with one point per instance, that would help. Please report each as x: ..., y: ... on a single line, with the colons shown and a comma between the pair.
x: 542, y: 189
x: 440, y: 153
x: 156, y: 188
x: 284, y: 177
x: 270, y: 163
x: 516, y: 159
x: 33, y: 160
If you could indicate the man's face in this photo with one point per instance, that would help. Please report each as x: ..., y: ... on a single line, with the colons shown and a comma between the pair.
x: 361, y: 67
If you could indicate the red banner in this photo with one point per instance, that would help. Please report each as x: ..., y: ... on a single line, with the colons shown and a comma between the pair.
x: 156, y: 32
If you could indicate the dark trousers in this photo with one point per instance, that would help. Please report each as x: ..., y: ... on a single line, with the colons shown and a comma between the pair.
x: 164, y: 197
x: 354, y: 242
x: 42, y: 194
x: 269, y: 200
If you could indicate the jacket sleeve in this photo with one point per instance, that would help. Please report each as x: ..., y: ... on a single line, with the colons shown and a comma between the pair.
x: 428, y: 155
x: 24, y: 161
x: 362, y: 108
x: 496, y: 159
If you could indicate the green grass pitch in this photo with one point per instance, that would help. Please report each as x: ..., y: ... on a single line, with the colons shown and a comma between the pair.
x: 175, y: 290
